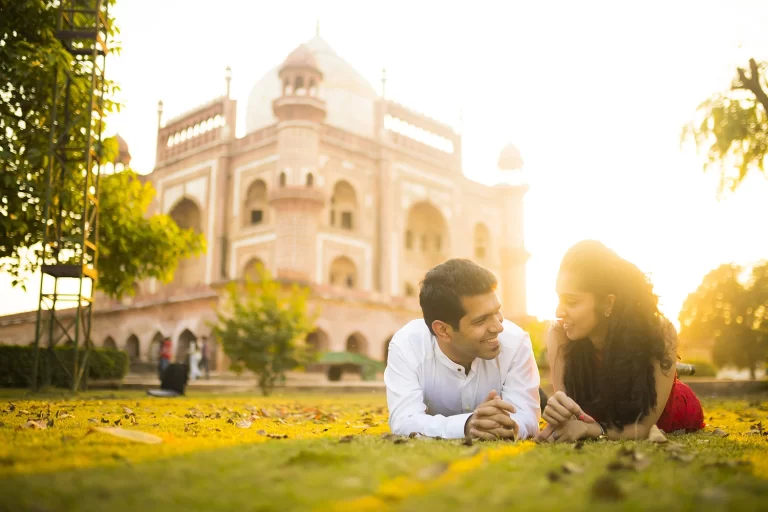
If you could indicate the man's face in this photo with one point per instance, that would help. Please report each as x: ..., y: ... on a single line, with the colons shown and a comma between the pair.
x: 479, y: 328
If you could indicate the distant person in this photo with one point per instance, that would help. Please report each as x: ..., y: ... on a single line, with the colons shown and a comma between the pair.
x: 612, y: 354
x: 166, y: 350
x: 207, y: 355
x: 194, y: 360
x: 462, y: 371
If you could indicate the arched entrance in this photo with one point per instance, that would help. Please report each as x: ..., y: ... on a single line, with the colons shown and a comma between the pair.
x: 155, y: 347
x: 182, y: 348
x: 132, y: 348
x: 189, y: 272
x: 426, y: 244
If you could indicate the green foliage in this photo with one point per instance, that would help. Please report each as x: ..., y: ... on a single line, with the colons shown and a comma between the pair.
x: 733, y: 127
x: 732, y: 313
x: 132, y: 248
x: 537, y: 330
x: 16, y: 365
x: 263, y: 327
x: 135, y: 246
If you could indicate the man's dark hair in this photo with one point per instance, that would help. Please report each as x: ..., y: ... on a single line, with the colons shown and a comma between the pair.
x: 444, y: 285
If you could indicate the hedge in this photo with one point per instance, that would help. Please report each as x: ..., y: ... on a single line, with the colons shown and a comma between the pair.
x: 16, y: 365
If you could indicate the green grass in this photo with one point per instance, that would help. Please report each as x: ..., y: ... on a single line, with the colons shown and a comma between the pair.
x: 207, y: 463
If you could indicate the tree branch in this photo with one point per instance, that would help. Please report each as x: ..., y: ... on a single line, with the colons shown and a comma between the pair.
x: 752, y: 83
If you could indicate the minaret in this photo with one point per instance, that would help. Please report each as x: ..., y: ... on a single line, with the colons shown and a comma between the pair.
x: 297, y: 198
x: 513, y: 254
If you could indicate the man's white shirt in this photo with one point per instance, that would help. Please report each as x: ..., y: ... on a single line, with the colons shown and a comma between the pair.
x: 430, y: 394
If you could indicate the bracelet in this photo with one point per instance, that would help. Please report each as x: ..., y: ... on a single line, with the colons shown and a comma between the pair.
x: 602, y: 428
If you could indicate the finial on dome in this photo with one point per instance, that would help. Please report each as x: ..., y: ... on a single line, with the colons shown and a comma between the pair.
x: 228, y: 78
x: 510, y: 158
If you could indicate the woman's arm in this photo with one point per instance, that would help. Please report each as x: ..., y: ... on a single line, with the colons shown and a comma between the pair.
x: 556, y: 339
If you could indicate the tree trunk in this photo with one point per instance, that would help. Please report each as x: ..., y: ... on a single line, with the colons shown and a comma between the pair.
x: 752, y: 369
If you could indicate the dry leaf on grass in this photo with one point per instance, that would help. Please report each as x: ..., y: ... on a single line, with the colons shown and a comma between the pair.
x: 656, y: 436
x: 244, y: 424
x: 127, y: 410
x: 36, y: 424
x: 572, y: 469
x: 719, y: 432
x: 606, y: 488
x: 346, y: 439
x: 131, y: 435
x: 432, y: 472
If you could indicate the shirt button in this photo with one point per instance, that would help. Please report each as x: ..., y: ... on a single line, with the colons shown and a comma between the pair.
x: 458, y: 369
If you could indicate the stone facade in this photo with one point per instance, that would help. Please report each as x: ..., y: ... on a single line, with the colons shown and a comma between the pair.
x: 358, y: 202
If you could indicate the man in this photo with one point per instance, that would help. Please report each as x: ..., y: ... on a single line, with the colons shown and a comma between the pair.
x: 445, y: 373
x: 207, y: 354
x: 166, y: 351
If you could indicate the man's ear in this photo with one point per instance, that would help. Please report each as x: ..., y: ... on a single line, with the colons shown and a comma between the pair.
x: 443, y: 331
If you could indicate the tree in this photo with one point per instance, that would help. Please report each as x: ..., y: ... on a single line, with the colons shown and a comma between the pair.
x: 732, y: 313
x: 29, y: 54
x: 132, y: 245
x: 262, y: 327
x: 734, y: 126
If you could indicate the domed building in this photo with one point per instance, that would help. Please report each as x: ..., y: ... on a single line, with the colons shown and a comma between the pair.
x: 332, y: 186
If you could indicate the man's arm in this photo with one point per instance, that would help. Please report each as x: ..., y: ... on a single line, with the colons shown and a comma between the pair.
x: 521, y: 389
x: 405, y: 399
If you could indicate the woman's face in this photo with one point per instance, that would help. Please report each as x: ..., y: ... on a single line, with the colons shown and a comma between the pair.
x: 576, y: 309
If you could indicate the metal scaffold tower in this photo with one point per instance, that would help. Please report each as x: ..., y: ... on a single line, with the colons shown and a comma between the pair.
x: 69, y: 253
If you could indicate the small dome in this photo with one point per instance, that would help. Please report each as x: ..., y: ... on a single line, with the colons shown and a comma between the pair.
x: 123, y: 155
x: 350, y: 100
x: 510, y: 158
x: 301, y: 57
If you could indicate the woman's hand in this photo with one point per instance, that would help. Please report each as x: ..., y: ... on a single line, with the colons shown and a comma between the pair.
x: 567, y: 432
x: 560, y: 409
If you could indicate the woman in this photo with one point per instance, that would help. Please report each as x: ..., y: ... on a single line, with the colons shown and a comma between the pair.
x: 612, y: 354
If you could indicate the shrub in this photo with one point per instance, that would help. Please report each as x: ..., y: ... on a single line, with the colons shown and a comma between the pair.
x: 16, y: 363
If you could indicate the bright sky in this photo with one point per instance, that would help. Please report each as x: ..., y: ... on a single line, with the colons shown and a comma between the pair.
x: 593, y: 93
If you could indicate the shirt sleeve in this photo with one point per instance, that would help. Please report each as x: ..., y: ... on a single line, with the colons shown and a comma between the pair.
x: 405, y: 399
x: 521, y: 389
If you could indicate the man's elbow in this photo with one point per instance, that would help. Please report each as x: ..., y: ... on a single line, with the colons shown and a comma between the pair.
x: 398, y: 425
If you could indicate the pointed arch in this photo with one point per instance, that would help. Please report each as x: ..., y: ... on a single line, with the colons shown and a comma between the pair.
x: 344, y: 206
x: 427, y: 230
x: 255, y: 207
x: 317, y: 341
x: 132, y: 347
x: 482, y: 240
x: 109, y: 343
x: 155, y: 347
x: 186, y: 338
x: 251, y: 269
x: 357, y: 343
x: 343, y: 273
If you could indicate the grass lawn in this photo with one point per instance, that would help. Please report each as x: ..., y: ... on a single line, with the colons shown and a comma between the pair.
x: 319, y: 452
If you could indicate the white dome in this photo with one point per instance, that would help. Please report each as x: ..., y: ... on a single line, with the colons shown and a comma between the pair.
x: 350, y: 100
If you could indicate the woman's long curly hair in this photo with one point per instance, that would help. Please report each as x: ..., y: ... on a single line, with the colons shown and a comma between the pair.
x: 622, y: 389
